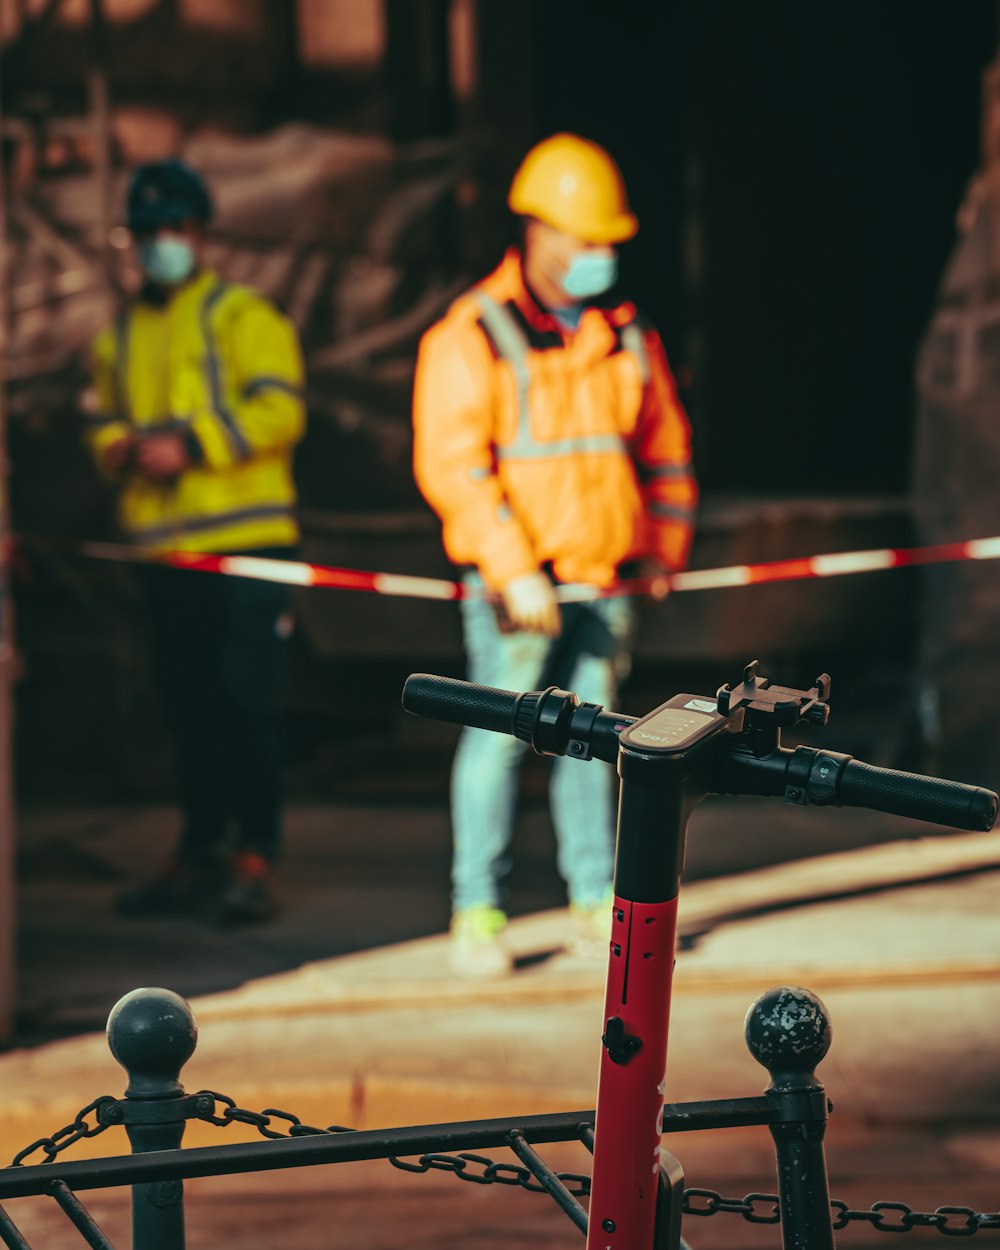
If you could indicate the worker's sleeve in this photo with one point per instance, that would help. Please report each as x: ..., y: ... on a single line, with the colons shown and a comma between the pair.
x: 256, y: 379
x: 453, y: 462
x: 662, y: 453
x: 104, y: 420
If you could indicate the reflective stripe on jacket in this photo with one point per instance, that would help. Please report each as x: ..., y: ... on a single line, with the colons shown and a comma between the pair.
x: 534, y: 445
x: 222, y: 366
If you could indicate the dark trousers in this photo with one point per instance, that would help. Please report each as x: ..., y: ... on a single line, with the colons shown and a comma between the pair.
x: 218, y: 651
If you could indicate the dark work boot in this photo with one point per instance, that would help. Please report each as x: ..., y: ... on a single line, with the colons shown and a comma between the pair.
x: 181, y: 888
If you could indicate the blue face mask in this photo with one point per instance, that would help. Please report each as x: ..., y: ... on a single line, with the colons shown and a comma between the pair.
x: 590, y: 273
x: 167, y: 260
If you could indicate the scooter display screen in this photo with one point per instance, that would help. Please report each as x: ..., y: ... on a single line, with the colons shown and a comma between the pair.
x: 675, y: 726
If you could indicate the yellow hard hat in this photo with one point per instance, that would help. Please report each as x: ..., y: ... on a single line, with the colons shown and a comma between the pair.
x: 574, y: 185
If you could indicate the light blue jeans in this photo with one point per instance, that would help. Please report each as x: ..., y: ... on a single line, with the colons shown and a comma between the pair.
x: 590, y: 657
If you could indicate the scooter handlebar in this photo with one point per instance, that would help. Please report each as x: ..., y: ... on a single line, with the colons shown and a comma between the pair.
x: 552, y: 720
x: 924, y: 798
x: 461, y: 702
x: 823, y: 778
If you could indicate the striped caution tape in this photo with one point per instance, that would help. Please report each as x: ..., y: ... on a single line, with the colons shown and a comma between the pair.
x: 302, y: 573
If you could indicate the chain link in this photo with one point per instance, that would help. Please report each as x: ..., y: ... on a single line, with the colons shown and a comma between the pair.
x: 80, y: 1128
x: 755, y: 1208
x: 208, y: 1102
x: 490, y: 1172
x: 461, y: 1165
x: 884, y: 1217
x: 715, y: 1204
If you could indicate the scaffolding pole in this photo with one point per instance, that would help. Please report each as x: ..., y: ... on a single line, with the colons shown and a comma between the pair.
x: 8, y: 916
x: 100, y: 118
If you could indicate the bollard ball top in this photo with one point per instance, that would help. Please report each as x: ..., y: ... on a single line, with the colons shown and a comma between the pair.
x: 152, y: 1033
x: 788, y: 1031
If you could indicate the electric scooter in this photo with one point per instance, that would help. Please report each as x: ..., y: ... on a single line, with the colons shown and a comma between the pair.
x: 668, y: 761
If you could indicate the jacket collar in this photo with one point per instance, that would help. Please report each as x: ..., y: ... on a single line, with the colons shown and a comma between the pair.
x: 511, y: 274
x: 200, y: 282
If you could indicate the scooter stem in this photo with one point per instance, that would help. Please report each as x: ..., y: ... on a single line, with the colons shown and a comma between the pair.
x: 630, y: 1086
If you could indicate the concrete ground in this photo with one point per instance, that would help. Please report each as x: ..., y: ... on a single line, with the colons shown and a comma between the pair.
x: 342, y: 1011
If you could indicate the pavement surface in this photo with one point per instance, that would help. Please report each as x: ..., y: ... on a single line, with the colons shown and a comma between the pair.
x: 343, y: 1012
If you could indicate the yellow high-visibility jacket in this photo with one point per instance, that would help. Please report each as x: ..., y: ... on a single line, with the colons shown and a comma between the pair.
x: 220, y: 365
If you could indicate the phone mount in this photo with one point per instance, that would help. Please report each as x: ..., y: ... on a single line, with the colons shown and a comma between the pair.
x: 768, y: 709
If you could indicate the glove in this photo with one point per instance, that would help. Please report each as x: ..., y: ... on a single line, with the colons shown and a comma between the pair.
x: 530, y: 604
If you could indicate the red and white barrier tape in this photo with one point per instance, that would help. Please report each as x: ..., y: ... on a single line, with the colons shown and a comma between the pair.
x: 300, y: 573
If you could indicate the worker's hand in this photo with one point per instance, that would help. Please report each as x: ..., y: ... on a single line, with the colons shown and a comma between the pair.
x: 119, y: 453
x: 655, y: 573
x: 161, y: 456
x: 531, y: 604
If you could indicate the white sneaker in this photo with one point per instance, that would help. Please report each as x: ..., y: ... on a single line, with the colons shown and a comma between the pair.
x: 591, y: 936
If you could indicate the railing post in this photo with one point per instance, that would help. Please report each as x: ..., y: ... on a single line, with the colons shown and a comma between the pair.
x: 788, y: 1032
x: 152, y: 1033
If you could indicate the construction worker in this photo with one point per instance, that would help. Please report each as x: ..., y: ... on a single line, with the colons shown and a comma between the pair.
x: 197, y: 408
x: 550, y: 441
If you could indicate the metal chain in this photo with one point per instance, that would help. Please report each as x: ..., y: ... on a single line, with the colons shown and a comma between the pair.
x: 491, y: 1173
x: 884, y: 1217
x: 715, y: 1204
x: 755, y: 1208
x: 966, y: 1221
x: 208, y: 1102
x: 57, y: 1143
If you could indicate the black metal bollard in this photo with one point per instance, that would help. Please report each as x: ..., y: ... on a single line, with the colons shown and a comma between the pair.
x: 788, y: 1032
x: 152, y: 1033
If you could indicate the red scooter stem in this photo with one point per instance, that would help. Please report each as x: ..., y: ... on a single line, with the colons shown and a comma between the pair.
x: 630, y: 1086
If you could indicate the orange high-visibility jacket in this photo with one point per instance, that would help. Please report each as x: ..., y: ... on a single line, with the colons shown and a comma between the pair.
x: 538, y: 446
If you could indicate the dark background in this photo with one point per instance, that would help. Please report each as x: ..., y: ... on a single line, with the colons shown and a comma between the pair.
x: 814, y: 156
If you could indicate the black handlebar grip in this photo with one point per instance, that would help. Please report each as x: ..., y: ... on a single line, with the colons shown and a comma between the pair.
x: 461, y: 702
x: 924, y: 798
